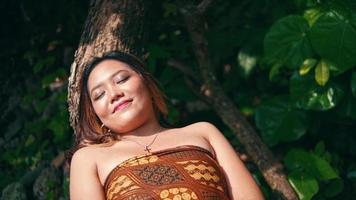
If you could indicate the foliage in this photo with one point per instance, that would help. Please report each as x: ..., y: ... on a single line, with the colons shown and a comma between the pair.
x: 321, y: 36
x: 288, y: 66
x: 38, y: 46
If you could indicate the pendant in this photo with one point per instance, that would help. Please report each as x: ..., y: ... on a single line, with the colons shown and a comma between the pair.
x: 147, y: 149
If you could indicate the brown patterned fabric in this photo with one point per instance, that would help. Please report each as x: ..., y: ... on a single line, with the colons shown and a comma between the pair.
x: 183, y: 172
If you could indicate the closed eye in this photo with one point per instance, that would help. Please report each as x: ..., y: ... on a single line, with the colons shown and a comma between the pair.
x: 122, y: 80
x: 99, y: 96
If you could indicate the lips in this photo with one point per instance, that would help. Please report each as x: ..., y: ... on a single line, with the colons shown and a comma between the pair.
x: 121, y: 105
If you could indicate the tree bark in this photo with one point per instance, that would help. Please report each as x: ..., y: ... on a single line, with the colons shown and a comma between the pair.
x: 270, y: 167
x: 119, y: 25
x: 110, y: 25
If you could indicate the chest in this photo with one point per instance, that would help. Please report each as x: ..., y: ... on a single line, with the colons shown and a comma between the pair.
x: 111, y: 157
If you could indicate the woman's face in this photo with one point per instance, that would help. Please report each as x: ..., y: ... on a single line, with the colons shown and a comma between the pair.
x: 119, y: 96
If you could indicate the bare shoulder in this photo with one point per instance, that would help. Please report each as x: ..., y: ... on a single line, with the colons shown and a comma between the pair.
x: 202, y: 124
x: 83, y: 171
x: 204, y: 129
x: 83, y: 160
x: 240, y: 181
x: 84, y: 156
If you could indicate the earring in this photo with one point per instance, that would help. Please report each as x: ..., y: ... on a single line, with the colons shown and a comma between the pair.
x: 105, y: 129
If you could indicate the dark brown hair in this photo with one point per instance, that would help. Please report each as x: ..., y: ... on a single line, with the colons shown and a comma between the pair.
x: 89, y: 130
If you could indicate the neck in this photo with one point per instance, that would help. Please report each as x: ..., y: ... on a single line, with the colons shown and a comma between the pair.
x: 147, y: 129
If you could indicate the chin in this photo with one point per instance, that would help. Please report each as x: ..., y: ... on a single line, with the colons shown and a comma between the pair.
x: 126, y: 123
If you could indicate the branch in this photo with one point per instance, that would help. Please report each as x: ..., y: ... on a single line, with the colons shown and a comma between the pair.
x: 183, y: 68
x: 271, y: 169
x: 189, y: 74
x: 190, y: 79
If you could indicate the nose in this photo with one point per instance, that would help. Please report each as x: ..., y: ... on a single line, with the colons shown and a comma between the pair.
x: 115, y: 94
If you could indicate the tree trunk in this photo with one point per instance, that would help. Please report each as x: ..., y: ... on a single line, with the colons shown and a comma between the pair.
x: 110, y: 25
x: 119, y: 25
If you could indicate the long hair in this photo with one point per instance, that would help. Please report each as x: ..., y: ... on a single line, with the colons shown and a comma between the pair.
x: 90, y: 130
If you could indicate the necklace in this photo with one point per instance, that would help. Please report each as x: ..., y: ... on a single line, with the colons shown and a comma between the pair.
x: 147, y: 147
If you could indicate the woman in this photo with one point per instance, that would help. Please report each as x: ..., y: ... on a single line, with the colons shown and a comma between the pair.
x: 126, y: 151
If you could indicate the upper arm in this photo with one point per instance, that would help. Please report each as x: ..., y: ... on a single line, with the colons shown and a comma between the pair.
x: 239, y: 179
x: 84, y: 181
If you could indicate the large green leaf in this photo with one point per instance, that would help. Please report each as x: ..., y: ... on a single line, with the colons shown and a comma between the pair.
x: 344, y: 8
x: 297, y: 159
x: 279, y: 121
x: 309, y: 95
x: 305, y: 170
x: 310, y: 164
x: 334, y: 39
x: 287, y: 42
x: 321, y: 168
x: 305, y: 185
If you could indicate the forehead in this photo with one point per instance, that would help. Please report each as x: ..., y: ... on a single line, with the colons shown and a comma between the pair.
x: 105, y: 69
x: 110, y: 65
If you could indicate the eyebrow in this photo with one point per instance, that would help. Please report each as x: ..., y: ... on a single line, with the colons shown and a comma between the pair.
x: 111, y: 76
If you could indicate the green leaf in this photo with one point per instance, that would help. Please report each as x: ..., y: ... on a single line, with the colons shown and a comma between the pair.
x: 274, y: 71
x: 344, y: 8
x: 309, y: 163
x: 322, y: 73
x: 43, y: 63
x: 297, y: 159
x: 311, y: 15
x: 57, y: 128
x: 169, y: 9
x: 279, y: 121
x: 246, y: 61
x: 287, y: 42
x: 319, y: 148
x: 334, y: 39
x: 306, y: 186
x: 307, y: 65
x: 30, y: 140
x: 321, y: 168
x: 310, y: 96
x: 40, y: 106
x: 50, y: 77
x: 353, y: 83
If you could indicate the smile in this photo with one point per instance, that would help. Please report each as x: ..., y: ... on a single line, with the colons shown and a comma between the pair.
x: 122, y: 106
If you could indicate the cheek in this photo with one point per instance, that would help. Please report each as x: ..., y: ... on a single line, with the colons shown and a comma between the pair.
x: 99, y: 108
x: 144, y: 93
x: 139, y: 88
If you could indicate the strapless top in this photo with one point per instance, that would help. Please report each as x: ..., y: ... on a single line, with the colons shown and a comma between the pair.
x: 183, y: 172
